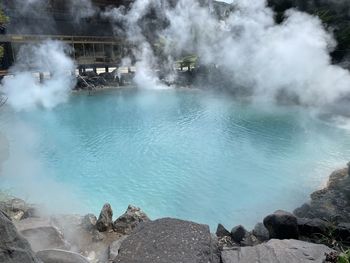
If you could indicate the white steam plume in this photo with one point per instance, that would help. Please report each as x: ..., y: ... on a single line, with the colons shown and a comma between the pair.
x: 127, y: 23
x: 272, y: 61
x: 290, y: 58
x: 24, y: 90
x: 81, y: 9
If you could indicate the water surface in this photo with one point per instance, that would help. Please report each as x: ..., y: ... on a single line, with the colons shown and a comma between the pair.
x: 181, y: 153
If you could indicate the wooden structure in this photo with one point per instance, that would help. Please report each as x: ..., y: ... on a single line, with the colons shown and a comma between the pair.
x: 92, y: 39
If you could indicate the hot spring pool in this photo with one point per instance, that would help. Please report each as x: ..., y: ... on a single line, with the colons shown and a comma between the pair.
x: 180, y: 153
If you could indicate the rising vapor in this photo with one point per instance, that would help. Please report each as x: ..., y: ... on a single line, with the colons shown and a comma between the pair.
x: 287, y: 61
x: 24, y: 90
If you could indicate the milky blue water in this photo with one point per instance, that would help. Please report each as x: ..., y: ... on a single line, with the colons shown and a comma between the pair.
x: 180, y: 153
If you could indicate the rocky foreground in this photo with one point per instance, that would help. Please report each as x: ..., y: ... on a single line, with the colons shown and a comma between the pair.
x: 314, y: 233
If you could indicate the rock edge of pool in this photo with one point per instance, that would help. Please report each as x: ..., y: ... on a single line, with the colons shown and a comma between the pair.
x: 317, y: 231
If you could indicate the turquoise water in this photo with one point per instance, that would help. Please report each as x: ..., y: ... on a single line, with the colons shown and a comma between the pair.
x: 181, y: 153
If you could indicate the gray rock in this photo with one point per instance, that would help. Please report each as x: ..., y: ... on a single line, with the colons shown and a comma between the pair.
x: 96, y: 236
x: 277, y: 251
x: 282, y: 225
x: 41, y: 233
x: 105, y: 220
x: 169, y: 241
x: 18, y: 209
x: 60, y: 256
x: 331, y: 203
x: 309, y: 227
x: 89, y: 222
x: 221, y: 231
x: 261, y: 232
x: 126, y: 223
x: 13, y: 247
x: 238, y: 233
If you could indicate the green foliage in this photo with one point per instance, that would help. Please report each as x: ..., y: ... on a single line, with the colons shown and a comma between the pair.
x: 3, y: 18
x: 3, y: 21
x: 325, y: 15
x: 331, y: 239
x: 344, y: 257
x: 190, y: 60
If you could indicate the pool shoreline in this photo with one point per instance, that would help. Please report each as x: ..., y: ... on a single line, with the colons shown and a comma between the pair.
x: 104, y: 231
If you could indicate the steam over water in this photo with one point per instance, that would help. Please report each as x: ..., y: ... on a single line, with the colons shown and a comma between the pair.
x: 181, y: 153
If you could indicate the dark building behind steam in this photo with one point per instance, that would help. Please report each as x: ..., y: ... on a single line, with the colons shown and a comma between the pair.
x: 91, y: 36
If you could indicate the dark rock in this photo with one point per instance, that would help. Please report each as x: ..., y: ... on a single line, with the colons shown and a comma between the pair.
x: 261, y: 232
x: 238, y: 233
x: 105, y: 220
x: 221, y: 231
x: 342, y: 232
x: 41, y: 233
x: 303, y: 211
x: 13, y: 247
x: 331, y: 203
x: 309, y: 227
x: 126, y: 223
x: 60, y: 256
x: 282, y: 225
x: 89, y: 222
x: 277, y: 251
x: 169, y: 241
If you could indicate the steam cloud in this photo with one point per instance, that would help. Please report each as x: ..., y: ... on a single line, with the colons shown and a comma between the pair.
x: 268, y: 60
x: 24, y: 90
x: 81, y: 9
x: 246, y: 50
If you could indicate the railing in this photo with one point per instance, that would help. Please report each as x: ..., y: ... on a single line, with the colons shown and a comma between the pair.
x: 66, y: 38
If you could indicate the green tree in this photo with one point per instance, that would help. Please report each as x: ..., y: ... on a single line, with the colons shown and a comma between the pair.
x: 3, y: 21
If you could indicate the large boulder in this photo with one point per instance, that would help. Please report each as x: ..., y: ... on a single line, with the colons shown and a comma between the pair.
x: 60, y: 256
x: 171, y: 241
x: 276, y: 251
x: 41, y: 233
x: 126, y: 223
x: 282, y: 225
x: 105, y: 220
x: 13, y: 247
